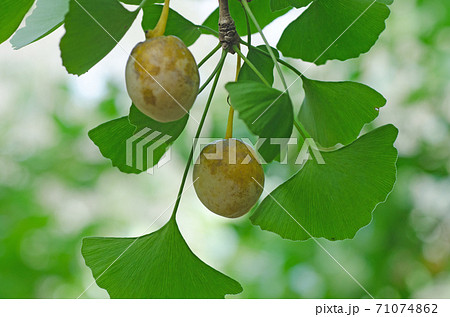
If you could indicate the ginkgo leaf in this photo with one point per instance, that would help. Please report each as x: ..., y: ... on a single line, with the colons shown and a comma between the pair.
x: 260, y: 8
x: 262, y: 62
x: 333, y: 200
x: 93, y: 29
x: 282, y: 4
x: 137, y: 142
x: 12, y: 13
x: 157, y: 265
x: 176, y: 24
x: 138, y: 2
x: 335, y: 112
x: 111, y: 137
x: 47, y: 17
x: 266, y: 111
x: 334, y: 29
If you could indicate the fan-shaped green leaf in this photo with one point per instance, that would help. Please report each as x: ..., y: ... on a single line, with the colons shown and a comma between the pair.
x: 282, y: 4
x: 12, y: 13
x: 111, y: 137
x: 93, y: 29
x: 335, y: 112
x: 134, y: 2
x: 128, y: 141
x: 334, y: 29
x: 267, y: 112
x: 260, y: 8
x: 141, y: 121
x: 47, y: 17
x: 262, y: 62
x: 176, y: 24
x: 157, y: 265
x: 138, y: 2
x: 336, y: 199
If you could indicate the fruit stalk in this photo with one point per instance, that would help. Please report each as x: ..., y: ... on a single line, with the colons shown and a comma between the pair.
x: 229, y: 133
x: 228, y: 35
x: 162, y: 22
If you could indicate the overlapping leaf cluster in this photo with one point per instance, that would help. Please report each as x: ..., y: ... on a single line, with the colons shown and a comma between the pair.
x: 332, y: 200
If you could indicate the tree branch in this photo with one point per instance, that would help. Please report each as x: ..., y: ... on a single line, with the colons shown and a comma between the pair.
x: 228, y: 35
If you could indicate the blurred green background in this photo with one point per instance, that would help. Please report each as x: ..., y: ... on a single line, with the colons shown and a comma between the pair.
x: 55, y: 188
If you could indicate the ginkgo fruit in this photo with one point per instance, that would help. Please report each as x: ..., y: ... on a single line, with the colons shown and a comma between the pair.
x: 162, y: 78
x: 228, y: 179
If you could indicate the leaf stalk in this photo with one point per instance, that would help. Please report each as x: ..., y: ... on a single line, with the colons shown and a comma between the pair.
x: 208, y: 80
x: 210, y: 54
x: 282, y: 62
x: 197, y: 135
x: 269, y: 48
x: 301, y: 129
x: 141, y: 5
x: 207, y: 28
x: 252, y: 66
x: 248, y: 44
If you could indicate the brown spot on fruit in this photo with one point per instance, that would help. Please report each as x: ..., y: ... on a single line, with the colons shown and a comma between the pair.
x: 162, y: 78
x: 226, y: 181
x: 148, y: 96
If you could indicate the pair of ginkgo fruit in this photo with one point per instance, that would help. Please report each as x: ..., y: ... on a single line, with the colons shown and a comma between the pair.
x: 162, y: 80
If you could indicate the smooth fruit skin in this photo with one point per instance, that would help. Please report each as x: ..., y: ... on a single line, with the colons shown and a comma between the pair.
x: 228, y: 186
x: 162, y: 78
